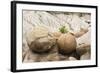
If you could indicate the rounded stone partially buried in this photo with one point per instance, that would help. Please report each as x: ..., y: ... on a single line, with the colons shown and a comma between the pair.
x: 40, y: 40
x: 42, y: 45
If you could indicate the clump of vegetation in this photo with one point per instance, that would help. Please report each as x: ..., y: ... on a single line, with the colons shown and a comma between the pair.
x: 63, y: 29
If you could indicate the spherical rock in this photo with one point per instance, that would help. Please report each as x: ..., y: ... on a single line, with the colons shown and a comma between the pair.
x: 67, y: 43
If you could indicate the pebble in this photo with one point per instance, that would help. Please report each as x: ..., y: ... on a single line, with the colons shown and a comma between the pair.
x: 63, y: 57
x: 72, y: 58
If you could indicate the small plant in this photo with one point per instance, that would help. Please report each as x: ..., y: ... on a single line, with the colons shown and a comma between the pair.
x: 63, y: 29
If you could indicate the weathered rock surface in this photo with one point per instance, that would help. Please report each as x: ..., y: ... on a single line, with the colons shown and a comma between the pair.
x: 85, y: 56
x: 50, y: 22
x: 84, y: 43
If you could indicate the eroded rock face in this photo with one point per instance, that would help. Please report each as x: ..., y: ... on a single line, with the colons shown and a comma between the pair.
x: 84, y: 43
x: 39, y: 44
x: 83, y: 49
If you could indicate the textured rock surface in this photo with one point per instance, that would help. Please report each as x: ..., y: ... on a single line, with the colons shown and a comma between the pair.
x: 84, y: 43
x: 86, y: 56
x: 50, y: 22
